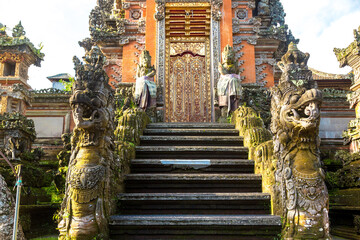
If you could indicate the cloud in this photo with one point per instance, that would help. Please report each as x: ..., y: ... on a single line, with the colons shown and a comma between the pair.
x: 321, y: 26
x: 57, y: 24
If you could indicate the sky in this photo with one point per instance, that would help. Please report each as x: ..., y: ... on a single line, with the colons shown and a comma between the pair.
x: 320, y: 25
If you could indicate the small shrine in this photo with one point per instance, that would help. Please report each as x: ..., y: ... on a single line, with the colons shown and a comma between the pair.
x: 17, y: 54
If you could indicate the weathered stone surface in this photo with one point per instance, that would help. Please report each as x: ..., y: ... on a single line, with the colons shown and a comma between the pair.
x: 7, y: 210
x: 197, y: 220
x: 190, y: 125
x: 92, y: 173
x: 145, y: 88
x: 191, y: 132
x: 300, y: 193
x: 229, y: 90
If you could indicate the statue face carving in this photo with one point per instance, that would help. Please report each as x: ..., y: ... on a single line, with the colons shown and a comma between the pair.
x: 302, y: 111
x: 228, y: 55
x: 145, y: 59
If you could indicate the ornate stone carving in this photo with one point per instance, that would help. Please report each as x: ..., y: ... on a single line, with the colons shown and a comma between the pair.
x: 142, y: 25
x: 260, y: 75
x: 250, y: 39
x: 264, y: 59
x: 300, y: 194
x: 263, y: 8
x: 294, y: 67
x: 229, y: 88
x: 18, y: 30
x: 7, y: 56
x: 98, y: 17
x: 241, y: 13
x: 350, y: 56
x: 126, y: 5
x: 145, y: 88
x: 16, y: 44
x: 216, y: 9
x: 215, y: 49
x: 88, y: 201
x: 252, y: 4
x: 160, y: 10
x: 19, y: 134
x: 136, y: 14
x: 235, y: 4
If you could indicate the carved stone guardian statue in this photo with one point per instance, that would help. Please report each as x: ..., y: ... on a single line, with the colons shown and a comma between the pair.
x: 145, y: 89
x: 87, y: 202
x: 301, y: 196
x: 229, y: 88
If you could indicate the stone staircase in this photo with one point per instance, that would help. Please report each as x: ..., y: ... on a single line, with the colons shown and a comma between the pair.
x: 193, y: 181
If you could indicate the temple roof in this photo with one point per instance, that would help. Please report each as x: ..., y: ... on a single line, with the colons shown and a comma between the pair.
x: 346, y: 55
x: 57, y: 77
x: 323, y: 75
x: 330, y: 80
x: 19, y: 42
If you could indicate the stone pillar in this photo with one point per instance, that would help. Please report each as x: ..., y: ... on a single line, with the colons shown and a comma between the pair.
x: 350, y: 56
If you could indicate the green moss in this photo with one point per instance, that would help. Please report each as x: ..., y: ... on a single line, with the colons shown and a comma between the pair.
x: 56, y: 195
x: 332, y: 161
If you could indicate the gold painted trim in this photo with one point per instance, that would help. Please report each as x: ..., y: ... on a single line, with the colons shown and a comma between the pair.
x: 193, y: 4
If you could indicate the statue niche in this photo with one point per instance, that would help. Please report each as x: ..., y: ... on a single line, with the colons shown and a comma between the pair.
x: 145, y: 88
x: 301, y: 196
x: 229, y: 88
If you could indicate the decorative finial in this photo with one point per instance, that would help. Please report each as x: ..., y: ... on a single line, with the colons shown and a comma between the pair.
x: 18, y: 30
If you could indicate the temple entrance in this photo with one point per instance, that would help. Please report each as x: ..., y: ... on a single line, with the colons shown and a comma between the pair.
x: 187, y: 70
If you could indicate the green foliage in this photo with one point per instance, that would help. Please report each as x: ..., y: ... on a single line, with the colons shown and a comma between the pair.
x: 56, y: 195
x: 346, y: 157
x: 229, y: 117
x: 260, y: 100
x: 68, y: 84
x: 35, y: 155
x: 40, y: 46
x: 348, y: 175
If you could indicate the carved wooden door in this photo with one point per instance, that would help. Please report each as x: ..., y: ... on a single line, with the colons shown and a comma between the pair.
x: 188, y: 96
x: 187, y: 65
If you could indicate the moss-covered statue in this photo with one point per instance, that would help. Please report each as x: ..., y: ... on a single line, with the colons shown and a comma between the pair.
x: 229, y: 88
x: 145, y: 89
x: 87, y: 202
x: 301, y: 197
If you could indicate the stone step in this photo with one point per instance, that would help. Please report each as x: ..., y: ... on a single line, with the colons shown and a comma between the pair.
x: 194, y: 203
x: 191, y: 152
x: 191, y: 125
x: 194, y: 227
x: 192, y: 183
x: 191, y: 140
x: 192, y: 165
x: 190, y: 132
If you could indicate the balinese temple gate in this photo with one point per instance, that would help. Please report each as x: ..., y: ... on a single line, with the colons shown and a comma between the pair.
x: 185, y: 40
